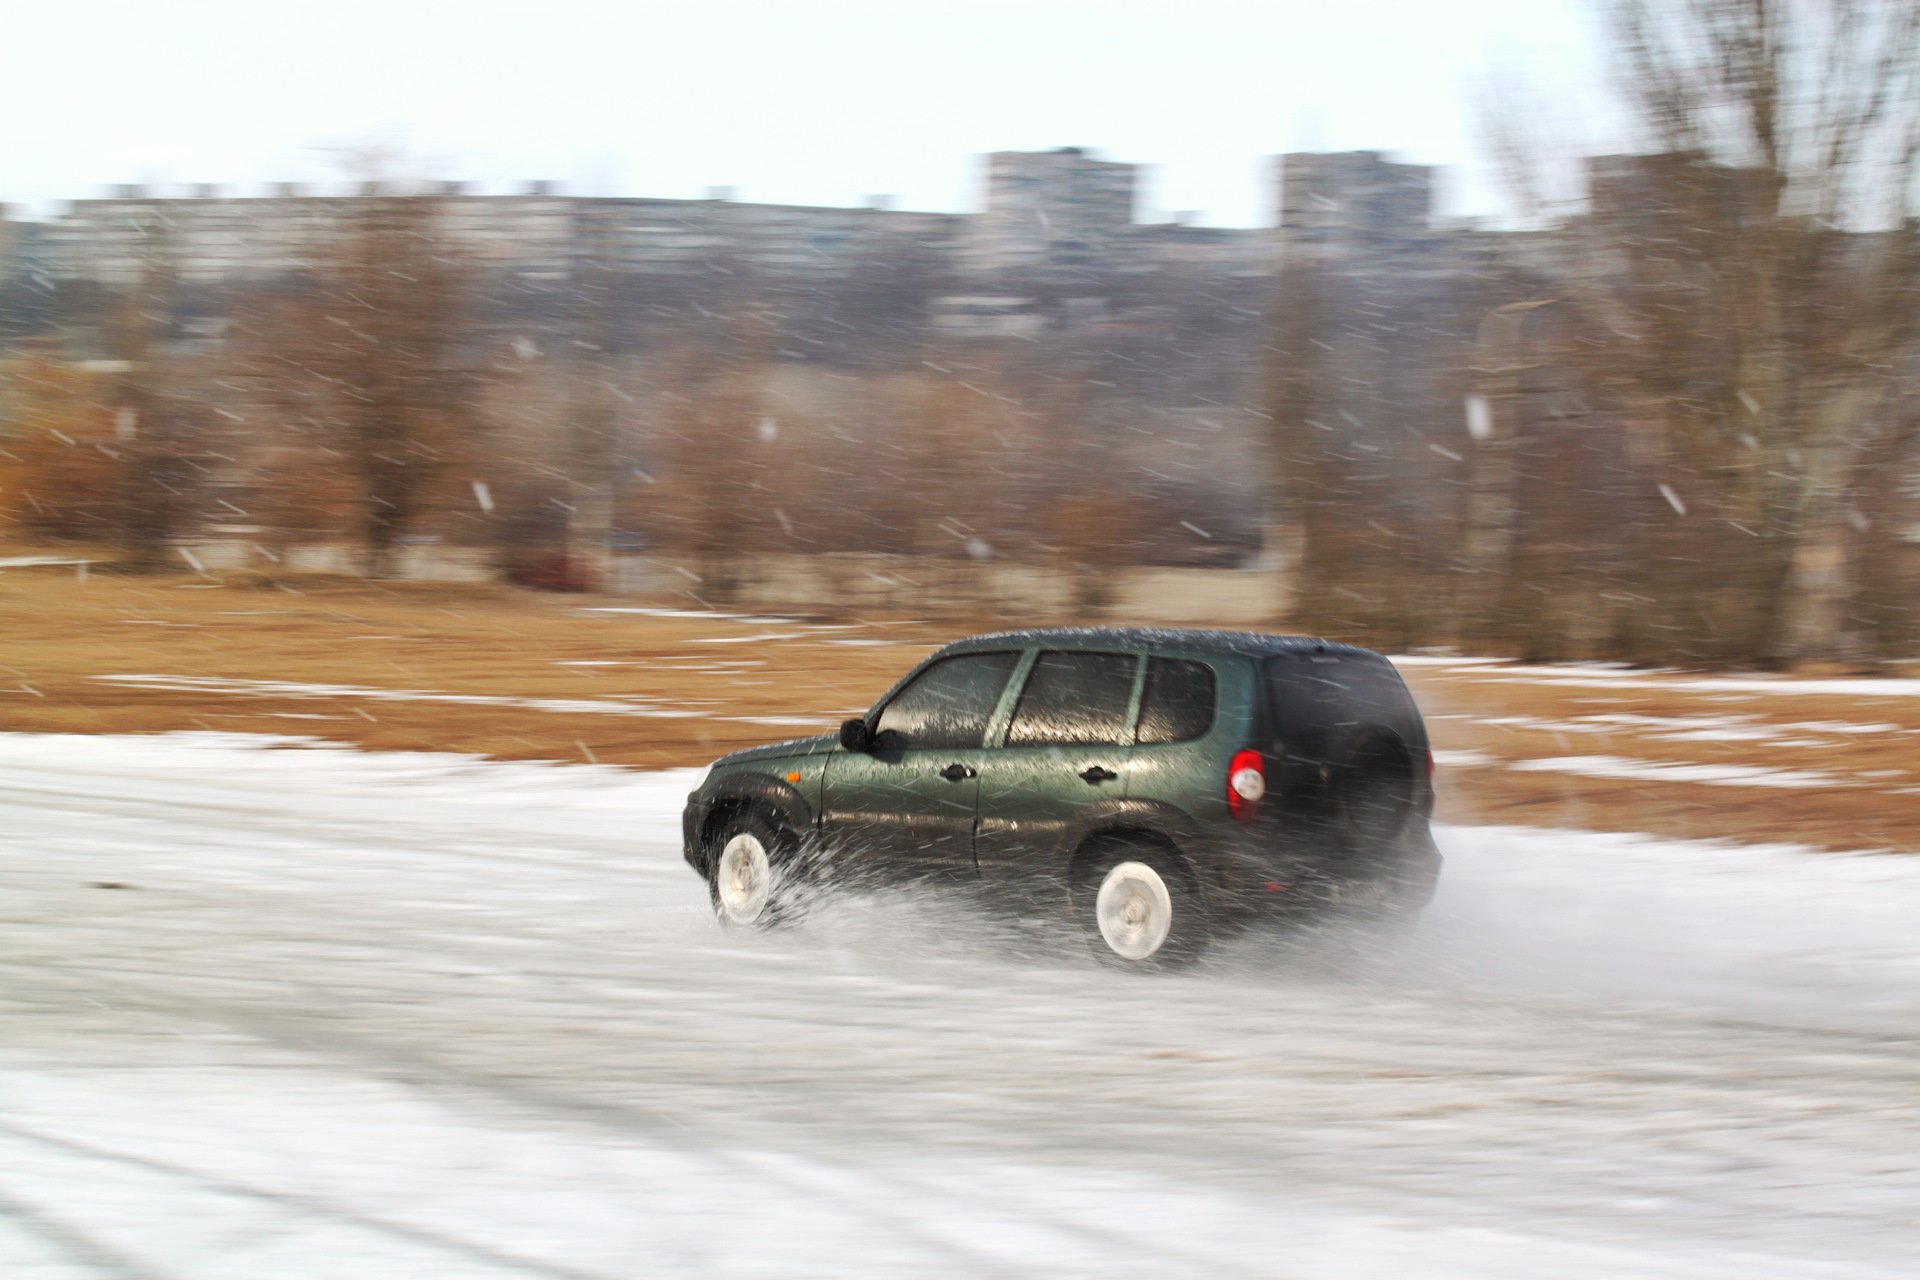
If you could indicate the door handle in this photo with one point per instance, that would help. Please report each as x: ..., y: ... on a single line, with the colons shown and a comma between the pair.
x: 956, y: 773
x: 1098, y: 775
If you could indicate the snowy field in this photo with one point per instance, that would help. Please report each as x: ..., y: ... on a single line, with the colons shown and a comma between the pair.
x: 321, y: 1013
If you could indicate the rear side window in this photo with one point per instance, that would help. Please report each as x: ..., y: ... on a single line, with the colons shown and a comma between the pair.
x: 1307, y: 691
x: 1073, y: 699
x: 1177, y: 704
x: 947, y: 706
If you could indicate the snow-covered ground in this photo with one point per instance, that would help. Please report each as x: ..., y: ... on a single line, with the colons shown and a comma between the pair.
x: 359, y: 1015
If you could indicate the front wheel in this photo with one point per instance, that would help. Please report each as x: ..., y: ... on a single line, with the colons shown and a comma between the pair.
x: 749, y: 875
x: 1140, y: 908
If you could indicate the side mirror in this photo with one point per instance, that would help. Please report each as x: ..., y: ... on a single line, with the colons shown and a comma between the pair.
x: 856, y: 735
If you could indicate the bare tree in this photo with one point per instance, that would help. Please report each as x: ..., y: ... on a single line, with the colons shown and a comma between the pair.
x: 373, y: 357
x: 62, y: 474
x: 1743, y: 292
x: 594, y: 396
x: 1353, y: 448
x: 1880, y: 617
x: 712, y: 503
x: 152, y: 420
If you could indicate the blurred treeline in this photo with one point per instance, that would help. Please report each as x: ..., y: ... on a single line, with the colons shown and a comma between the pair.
x: 1690, y: 418
x: 1669, y: 415
x: 395, y: 388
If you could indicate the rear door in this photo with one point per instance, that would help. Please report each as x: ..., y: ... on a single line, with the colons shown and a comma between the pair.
x: 1067, y: 745
x: 905, y: 809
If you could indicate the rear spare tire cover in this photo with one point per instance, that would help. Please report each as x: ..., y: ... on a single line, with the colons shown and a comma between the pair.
x: 1375, y: 786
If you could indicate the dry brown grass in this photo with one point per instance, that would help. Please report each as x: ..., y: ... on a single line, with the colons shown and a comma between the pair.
x: 60, y: 636
x: 727, y: 681
x: 1872, y: 800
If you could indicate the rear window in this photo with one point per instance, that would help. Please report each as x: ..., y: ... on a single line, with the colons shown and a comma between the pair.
x: 1307, y: 691
x: 1074, y: 699
x: 1177, y: 703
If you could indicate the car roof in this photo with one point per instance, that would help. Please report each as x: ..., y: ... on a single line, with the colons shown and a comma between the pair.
x: 1250, y: 643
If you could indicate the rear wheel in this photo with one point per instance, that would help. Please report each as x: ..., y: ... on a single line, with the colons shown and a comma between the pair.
x: 750, y: 875
x: 1139, y: 906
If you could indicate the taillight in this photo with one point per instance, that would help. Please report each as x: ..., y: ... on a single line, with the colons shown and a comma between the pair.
x: 1429, y: 764
x: 1246, y: 783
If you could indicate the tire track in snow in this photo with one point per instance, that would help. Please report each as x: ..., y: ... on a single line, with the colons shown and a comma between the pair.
x: 290, y: 1202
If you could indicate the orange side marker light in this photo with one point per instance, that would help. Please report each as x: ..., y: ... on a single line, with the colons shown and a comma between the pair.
x: 793, y: 777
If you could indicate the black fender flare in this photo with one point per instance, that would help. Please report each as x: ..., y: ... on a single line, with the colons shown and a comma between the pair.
x: 1156, y: 819
x: 729, y: 793
x: 1224, y: 863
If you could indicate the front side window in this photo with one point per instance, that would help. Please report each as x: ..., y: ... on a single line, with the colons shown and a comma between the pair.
x: 947, y: 706
x: 1074, y: 699
x: 1177, y: 703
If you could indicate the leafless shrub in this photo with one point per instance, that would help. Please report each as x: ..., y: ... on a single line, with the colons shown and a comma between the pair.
x: 371, y: 364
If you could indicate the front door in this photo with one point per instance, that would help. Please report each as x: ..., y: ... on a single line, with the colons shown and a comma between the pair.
x: 1067, y: 745
x: 905, y: 809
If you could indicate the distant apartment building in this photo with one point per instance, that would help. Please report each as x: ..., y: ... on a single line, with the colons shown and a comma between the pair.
x: 1060, y: 222
x: 1056, y: 246
x: 212, y: 238
x: 1348, y: 204
x: 1051, y: 214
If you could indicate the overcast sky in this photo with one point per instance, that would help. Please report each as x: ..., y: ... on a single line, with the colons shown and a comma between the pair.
x: 806, y: 102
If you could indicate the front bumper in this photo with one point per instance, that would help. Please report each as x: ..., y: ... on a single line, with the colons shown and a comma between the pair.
x: 693, y: 819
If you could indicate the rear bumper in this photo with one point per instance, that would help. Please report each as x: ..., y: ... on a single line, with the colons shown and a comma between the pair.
x: 1247, y: 872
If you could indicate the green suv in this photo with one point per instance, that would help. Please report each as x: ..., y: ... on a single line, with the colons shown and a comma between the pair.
x: 1155, y: 786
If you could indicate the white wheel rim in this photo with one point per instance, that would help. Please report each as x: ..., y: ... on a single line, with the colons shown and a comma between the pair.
x: 744, y: 879
x: 1135, y: 910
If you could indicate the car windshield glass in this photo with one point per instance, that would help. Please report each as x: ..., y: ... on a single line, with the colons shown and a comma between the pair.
x: 947, y: 705
x: 1074, y: 698
x: 1177, y: 703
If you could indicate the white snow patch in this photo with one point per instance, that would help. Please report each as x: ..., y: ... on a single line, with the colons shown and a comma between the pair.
x: 1723, y: 728
x: 1611, y: 672
x: 1776, y: 931
x: 425, y: 1015
x: 1714, y: 775
x: 1599, y: 675
x: 1463, y: 759
x: 1888, y: 688
x: 750, y: 619
x: 636, y: 706
x: 1439, y: 660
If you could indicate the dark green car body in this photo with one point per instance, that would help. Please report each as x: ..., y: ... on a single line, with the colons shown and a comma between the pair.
x: 1040, y: 744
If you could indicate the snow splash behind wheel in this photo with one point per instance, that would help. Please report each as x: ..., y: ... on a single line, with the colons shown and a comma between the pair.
x: 743, y: 881
x: 1134, y: 910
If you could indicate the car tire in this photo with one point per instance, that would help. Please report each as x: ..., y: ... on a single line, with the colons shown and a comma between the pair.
x: 750, y: 874
x: 1140, y: 906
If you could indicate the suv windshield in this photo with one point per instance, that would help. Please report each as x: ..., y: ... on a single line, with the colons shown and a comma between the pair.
x: 947, y: 706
